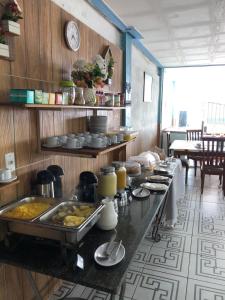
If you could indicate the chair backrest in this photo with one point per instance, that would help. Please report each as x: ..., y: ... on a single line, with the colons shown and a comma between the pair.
x: 194, y: 134
x: 213, y: 151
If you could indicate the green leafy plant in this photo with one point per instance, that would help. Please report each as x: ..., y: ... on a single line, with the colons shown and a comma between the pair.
x: 2, y: 36
x: 12, y: 11
x: 88, y: 75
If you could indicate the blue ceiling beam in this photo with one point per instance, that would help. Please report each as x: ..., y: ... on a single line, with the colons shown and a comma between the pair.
x: 109, y: 14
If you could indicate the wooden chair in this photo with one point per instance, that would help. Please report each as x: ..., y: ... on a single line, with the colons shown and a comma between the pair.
x: 213, y: 159
x: 194, y: 135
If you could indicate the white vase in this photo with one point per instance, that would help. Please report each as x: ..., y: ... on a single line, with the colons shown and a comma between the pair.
x: 109, y: 217
x: 4, y: 51
x: 11, y: 27
x: 90, y: 96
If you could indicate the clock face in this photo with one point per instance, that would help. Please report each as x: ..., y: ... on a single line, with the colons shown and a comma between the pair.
x: 72, y: 35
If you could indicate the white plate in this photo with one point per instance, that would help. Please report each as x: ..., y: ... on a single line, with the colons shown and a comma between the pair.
x: 50, y: 146
x: 9, y: 180
x: 141, y: 193
x: 71, y: 148
x: 154, y: 186
x: 109, y: 262
x: 158, y: 178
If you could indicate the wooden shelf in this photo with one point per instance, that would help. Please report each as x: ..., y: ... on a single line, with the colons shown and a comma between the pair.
x: 84, y: 152
x: 7, y: 185
x: 59, y: 107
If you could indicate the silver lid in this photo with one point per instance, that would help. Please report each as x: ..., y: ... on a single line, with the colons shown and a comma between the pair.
x: 108, y: 169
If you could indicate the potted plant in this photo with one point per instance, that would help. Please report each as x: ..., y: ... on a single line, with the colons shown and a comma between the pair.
x: 88, y: 76
x: 10, y: 17
x: 4, y: 48
x: 109, y: 62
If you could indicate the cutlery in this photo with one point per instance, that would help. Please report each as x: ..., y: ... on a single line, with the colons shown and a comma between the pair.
x: 116, y: 250
x: 109, y: 247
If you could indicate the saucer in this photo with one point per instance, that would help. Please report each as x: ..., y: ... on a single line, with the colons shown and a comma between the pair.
x: 96, y: 147
x: 9, y: 180
x: 71, y: 148
x: 109, y: 261
x: 50, y: 146
x: 141, y: 193
x: 154, y: 186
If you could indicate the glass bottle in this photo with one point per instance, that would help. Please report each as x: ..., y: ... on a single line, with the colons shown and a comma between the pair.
x: 79, y: 98
x: 121, y: 174
x: 107, y: 186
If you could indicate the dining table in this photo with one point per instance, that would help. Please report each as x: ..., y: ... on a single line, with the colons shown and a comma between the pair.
x: 45, y: 256
x: 184, y: 147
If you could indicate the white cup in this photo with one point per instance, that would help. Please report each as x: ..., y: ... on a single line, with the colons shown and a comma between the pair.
x: 88, y: 139
x: 114, y: 139
x: 52, y: 141
x: 5, y: 174
x: 63, y: 139
x: 97, y: 142
x: 73, y: 143
x: 120, y: 137
x: 71, y: 135
x: 81, y: 139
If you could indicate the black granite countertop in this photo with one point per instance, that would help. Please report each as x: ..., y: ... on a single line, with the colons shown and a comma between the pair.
x: 46, y: 257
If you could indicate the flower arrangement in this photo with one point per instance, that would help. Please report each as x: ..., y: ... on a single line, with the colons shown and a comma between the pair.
x: 12, y: 11
x: 88, y: 75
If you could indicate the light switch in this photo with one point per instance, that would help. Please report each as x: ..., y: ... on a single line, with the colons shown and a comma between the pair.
x: 10, y: 161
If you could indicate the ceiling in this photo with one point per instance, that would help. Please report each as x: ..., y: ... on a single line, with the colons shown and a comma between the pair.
x: 178, y: 32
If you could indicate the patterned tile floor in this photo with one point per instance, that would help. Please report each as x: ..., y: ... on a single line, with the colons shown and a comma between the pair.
x: 189, y: 261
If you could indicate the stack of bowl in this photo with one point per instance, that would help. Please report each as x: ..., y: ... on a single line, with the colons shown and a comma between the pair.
x: 98, y: 124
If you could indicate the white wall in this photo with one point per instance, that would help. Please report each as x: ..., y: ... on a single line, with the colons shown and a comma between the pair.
x: 144, y: 115
x: 84, y: 12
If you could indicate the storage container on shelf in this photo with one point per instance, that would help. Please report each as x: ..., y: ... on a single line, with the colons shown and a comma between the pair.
x: 68, y: 92
x: 109, y: 99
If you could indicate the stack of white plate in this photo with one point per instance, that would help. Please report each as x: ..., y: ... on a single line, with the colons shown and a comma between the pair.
x: 98, y: 124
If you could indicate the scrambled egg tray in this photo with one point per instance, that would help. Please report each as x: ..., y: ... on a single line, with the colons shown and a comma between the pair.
x: 27, y: 211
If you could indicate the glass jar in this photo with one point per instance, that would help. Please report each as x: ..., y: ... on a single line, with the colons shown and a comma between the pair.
x: 116, y: 100
x: 68, y: 92
x: 133, y: 168
x: 121, y: 174
x: 109, y: 99
x: 107, y: 185
x: 79, y: 98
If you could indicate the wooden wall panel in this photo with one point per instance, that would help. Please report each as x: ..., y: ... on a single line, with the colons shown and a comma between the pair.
x: 42, y: 60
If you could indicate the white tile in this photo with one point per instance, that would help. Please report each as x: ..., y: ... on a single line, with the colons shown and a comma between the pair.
x: 207, y: 246
x: 210, y: 225
x: 154, y: 285
x: 203, y: 291
x: 173, y: 241
x: 207, y: 269
x: 171, y: 262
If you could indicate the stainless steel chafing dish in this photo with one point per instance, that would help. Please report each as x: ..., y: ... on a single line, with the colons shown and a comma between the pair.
x: 41, y: 226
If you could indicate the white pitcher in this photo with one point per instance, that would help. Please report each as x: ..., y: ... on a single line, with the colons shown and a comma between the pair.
x: 109, y: 217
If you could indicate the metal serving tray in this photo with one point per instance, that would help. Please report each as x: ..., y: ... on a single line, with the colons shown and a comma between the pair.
x: 41, y: 227
x: 31, y: 199
x: 76, y: 233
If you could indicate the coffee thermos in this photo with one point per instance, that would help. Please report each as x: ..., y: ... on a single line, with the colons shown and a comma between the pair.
x: 57, y: 172
x: 49, y: 183
x: 86, y: 190
x: 45, y: 184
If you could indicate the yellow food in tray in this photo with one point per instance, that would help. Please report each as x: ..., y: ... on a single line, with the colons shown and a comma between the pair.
x: 72, y: 215
x: 73, y: 220
x: 27, y: 211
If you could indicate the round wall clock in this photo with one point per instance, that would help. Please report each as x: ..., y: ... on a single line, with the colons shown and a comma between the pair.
x: 72, y: 35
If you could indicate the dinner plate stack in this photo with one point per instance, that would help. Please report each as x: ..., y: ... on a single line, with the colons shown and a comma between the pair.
x: 98, y: 124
